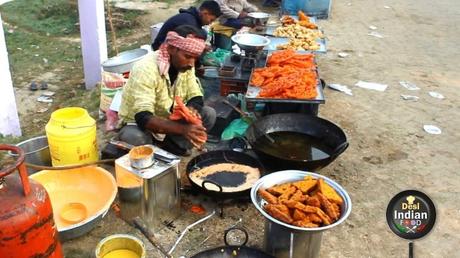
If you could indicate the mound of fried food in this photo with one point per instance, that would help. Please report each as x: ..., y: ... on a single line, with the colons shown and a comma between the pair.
x: 308, y: 203
x: 304, y: 21
x: 182, y: 112
x: 300, y: 38
x: 288, y: 75
x: 302, y: 34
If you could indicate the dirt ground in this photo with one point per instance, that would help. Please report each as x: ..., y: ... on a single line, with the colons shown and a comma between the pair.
x: 389, y: 150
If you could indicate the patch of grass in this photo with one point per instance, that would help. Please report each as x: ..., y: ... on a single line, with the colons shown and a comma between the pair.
x: 12, y: 140
x: 56, y: 17
x: 32, y: 53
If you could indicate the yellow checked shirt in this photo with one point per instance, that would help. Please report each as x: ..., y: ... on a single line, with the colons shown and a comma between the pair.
x: 147, y: 90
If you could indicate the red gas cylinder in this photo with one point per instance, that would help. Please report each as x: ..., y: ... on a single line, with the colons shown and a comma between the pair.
x: 27, y: 227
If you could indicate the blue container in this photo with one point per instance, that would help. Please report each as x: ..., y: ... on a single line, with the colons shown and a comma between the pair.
x: 317, y: 8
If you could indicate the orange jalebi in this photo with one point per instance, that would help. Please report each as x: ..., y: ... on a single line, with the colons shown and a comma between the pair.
x: 182, y: 112
x: 287, y: 75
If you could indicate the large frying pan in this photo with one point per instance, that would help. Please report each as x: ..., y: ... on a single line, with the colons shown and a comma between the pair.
x: 232, y: 251
x: 221, y: 156
x: 324, y: 131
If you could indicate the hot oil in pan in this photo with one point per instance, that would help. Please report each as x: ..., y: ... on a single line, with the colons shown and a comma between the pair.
x: 227, y: 178
x: 293, y: 146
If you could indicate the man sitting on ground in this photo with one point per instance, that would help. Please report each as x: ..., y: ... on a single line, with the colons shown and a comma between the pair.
x: 149, y: 94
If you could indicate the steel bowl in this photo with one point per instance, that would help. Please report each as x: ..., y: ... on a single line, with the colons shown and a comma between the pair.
x: 124, y: 61
x: 259, y: 17
x: 250, y: 42
x: 283, y: 240
x: 36, y: 151
x: 80, y: 185
x: 296, y: 175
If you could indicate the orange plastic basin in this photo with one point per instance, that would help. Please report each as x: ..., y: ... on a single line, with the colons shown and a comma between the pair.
x: 77, y: 195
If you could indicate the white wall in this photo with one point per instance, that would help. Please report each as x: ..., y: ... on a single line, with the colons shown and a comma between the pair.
x: 9, y: 120
x: 93, y: 39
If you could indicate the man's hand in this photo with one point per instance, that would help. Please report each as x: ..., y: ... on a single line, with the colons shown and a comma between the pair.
x: 194, y: 112
x: 243, y: 14
x: 196, y: 134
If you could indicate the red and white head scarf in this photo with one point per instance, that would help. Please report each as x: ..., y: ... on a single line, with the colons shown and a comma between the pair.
x: 190, y: 44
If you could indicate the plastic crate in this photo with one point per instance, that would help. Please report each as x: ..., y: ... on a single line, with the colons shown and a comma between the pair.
x: 317, y: 8
x: 230, y: 86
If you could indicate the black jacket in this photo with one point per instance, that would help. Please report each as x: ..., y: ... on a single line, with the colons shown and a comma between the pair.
x: 190, y: 16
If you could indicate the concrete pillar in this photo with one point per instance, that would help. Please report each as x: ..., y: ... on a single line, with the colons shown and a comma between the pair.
x: 93, y: 39
x: 9, y: 120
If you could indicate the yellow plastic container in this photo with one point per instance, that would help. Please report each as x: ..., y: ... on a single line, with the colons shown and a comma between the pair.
x: 71, y: 136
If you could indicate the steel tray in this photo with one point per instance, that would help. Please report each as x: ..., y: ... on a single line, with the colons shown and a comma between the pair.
x: 253, y: 91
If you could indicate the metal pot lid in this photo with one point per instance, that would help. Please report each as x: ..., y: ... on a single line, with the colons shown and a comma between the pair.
x: 286, y: 176
x: 250, y: 40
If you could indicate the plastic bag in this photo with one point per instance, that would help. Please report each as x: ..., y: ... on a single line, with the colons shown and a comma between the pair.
x: 215, y: 58
x: 237, y: 128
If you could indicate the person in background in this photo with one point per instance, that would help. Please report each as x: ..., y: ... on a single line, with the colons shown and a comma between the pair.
x: 234, y: 13
x: 204, y: 15
x: 148, y: 96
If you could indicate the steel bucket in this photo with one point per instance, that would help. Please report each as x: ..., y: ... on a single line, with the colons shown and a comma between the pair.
x: 36, y: 152
x: 120, y: 242
x: 287, y: 241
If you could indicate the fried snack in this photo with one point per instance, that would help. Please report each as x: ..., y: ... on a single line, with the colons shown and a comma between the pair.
x: 283, y: 208
x: 306, y: 208
x: 329, y: 192
x: 298, y: 196
x: 309, y: 208
x: 301, y: 38
x: 302, y: 16
x: 287, y: 20
x: 323, y: 216
x: 299, y: 215
x: 314, y: 201
x: 182, y: 112
x: 290, y: 203
x: 270, y: 198
x: 277, y: 214
x: 278, y: 190
x: 305, y: 224
x: 315, y: 218
x: 305, y: 185
x: 336, y: 207
x: 308, y: 24
x: 287, y: 194
x: 326, y: 204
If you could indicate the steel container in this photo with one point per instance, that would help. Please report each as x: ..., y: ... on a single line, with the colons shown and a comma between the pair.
x: 260, y: 18
x: 154, y: 194
x: 124, y: 61
x: 120, y: 242
x: 287, y: 241
x: 250, y: 42
x: 36, y: 151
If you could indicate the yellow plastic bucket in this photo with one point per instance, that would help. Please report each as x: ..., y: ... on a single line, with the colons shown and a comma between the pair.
x: 71, y: 136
